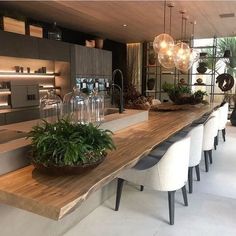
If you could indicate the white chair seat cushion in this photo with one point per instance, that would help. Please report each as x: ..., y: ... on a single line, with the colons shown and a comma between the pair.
x: 169, y: 174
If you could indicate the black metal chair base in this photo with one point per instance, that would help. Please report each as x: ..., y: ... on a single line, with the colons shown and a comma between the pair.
x: 171, y: 198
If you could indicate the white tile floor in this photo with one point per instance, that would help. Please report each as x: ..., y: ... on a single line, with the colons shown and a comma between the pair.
x: 211, y: 210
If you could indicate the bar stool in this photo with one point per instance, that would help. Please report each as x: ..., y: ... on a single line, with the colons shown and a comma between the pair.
x: 208, y: 140
x: 223, y: 118
x: 166, y: 172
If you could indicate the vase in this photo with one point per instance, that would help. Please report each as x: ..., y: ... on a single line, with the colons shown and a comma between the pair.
x: 99, y: 43
x: 202, y: 68
x: 151, y: 59
x: 233, y: 117
x: 151, y: 84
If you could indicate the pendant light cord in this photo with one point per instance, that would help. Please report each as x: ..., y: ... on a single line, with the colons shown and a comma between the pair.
x: 164, y: 16
x: 170, y: 18
x: 182, y: 23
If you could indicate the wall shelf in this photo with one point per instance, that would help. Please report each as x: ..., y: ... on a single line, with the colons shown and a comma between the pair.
x: 27, y: 75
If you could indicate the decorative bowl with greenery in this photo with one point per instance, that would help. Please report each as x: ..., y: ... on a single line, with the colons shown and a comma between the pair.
x: 182, y: 94
x: 68, y: 148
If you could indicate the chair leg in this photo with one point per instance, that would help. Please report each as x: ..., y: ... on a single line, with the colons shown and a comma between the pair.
x: 210, y: 155
x: 223, y: 134
x: 217, y: 139
x: 171, y: 201
x: 120, y: 183
x: 206, y: 161
x: 141, y: 188
x: 190, y: 179
x: 215, y: 142
x: 197, y: 172
x: 184, y: 192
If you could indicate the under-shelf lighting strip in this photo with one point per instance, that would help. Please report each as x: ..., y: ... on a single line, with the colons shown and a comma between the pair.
x: 12, y: 74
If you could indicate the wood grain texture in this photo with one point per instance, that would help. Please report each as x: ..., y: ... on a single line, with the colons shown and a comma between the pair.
x: 144, y: 18
x: 55, y: 197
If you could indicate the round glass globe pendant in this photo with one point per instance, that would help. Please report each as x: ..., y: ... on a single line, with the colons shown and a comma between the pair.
x: 166, y: 59
x: 162, y: 42
x: 182, y: 54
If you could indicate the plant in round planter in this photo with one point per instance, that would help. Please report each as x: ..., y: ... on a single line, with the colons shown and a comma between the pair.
x: 66, y: 148
x: 198, y: 96
x: 182, y: 94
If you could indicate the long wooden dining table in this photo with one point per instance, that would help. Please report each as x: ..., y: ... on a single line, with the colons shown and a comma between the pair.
x: 54, y: 197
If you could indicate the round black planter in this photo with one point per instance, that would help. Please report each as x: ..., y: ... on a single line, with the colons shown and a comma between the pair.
x: 233, y: 117
x: 201, y: 69
x: 151, y: 84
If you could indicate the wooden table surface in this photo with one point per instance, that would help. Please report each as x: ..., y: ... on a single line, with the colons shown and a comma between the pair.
x: 54, y: 197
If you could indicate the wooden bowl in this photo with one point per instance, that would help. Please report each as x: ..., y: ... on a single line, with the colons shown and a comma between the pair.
x: 66, y: 170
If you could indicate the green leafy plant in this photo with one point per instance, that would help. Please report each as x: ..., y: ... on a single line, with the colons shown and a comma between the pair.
x: 182, y: 94
x: 67, y: 144
x: 200, y: 93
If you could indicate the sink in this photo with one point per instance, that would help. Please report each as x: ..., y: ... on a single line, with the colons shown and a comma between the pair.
x: 109, y: 111
x: 9, y: 135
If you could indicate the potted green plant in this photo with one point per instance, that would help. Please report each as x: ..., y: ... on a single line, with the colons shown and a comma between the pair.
x: 182, y: 94
x: 198, y: 96
x: 68, y: 148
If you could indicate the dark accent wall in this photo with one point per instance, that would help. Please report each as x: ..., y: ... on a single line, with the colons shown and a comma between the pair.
x: 71, y: 36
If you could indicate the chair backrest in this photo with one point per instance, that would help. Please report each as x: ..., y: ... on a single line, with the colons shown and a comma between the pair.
x: 209, y: 134
x: 216, y: 113
x: 223, y: 116
x: 171, y: 172
x: 196, y: 135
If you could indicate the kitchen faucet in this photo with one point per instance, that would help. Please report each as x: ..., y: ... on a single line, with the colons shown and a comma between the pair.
x: 120, y: 88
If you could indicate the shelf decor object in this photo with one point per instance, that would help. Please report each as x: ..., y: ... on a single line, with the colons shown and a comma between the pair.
x: 27, y: 75
x: 54, y: 32
x: 66, y: 148
x: 13, y: 25
x: 35, y: 31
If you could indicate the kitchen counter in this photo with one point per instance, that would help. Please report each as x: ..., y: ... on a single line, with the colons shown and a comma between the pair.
x: 55, y: 197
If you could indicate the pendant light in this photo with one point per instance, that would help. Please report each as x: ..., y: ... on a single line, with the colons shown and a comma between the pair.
x: 163, y: 41
x: 182, y: 51
x: 166, y: 57
x: 195, y: 55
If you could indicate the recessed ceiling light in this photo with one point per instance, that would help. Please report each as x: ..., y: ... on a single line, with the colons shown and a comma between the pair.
x: 125, y: 25
x: 227, y: 15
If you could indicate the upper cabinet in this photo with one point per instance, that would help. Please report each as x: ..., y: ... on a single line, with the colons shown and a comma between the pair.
x: 91, y: 61
x: 53, y: 50
x: 16, y: 45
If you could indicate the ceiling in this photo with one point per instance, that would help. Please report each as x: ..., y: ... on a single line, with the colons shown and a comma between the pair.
x: 144, y: 19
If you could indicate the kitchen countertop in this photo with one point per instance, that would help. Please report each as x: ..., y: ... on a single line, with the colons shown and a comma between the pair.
x: 55, y: 197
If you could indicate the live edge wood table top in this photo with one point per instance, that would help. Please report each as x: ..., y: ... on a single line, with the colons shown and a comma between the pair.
x: 54, y: 197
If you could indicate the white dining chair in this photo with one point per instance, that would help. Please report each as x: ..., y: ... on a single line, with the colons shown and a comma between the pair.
x: 208, y: 140
x: 195, y: 132
x: 196, y: 136
x: 223, y: 118
x: 169, y: 173
x: 216, y: 114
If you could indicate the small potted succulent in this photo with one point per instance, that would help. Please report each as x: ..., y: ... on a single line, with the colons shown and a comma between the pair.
x: 68, y: 148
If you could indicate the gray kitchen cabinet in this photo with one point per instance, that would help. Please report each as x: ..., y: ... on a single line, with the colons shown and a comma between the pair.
x: 22, y: 115
x: 2, y: 119
x: 53, y: 50
x: 16, y: 45
x: 107, y: 63
x: 91, y: 61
